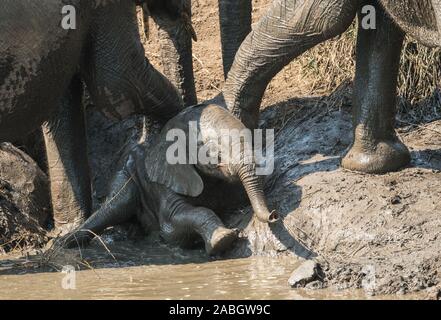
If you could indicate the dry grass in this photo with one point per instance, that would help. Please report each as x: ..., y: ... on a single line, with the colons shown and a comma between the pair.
x: 420, y: 72
x: 322, y: 69
x: 21, y: 243
x: 420, y: 82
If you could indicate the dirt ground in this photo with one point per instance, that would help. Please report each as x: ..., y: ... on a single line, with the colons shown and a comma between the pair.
x: 355, y: 225
x: 388, y: 224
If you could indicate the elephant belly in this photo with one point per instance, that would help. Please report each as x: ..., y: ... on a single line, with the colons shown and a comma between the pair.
x: 38, y: 58
x: 420, y: 19
x: 29, y: 96
x: 215, y: 193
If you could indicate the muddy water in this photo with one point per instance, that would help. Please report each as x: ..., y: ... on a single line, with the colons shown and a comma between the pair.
x: 145, y: 270
x: 250, y: 278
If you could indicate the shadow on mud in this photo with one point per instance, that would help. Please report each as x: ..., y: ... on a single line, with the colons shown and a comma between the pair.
x: 311, y: 137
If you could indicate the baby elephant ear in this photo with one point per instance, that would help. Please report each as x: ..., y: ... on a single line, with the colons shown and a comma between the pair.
x: 181, y: 178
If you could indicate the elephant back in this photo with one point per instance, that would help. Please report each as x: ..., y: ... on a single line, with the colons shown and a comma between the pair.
x: 421, y: 19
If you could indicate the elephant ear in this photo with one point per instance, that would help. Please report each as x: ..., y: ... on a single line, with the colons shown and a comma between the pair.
x: 181, y: 178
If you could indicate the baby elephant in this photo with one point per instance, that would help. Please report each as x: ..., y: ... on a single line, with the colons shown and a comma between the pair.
x: 165, y: 185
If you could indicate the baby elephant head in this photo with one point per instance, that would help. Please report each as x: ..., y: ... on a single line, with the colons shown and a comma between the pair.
x: 193, y: 144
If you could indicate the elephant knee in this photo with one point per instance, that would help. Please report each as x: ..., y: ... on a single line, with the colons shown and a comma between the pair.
x: 339, y: 18
x: 320, y: 20
x: 179, y: 235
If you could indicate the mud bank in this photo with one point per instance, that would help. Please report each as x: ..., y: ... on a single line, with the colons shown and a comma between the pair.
x: 24, y: 201
x: 374, y: 231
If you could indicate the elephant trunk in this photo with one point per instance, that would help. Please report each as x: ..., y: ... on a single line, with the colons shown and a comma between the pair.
x: 235, y: 25
x: 254, y: 189
x: 288, y: 29
x: 121, y: 81
x: 175, y: 37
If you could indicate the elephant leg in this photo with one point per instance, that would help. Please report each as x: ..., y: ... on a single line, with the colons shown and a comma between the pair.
x: 175, y: 38
x: 235, y: 25
x: 121, y: 80
x: 288, y: 29
x: 65, y: 140
x: 188, y: 220
x: 121, y: 204
x: 376, y: 148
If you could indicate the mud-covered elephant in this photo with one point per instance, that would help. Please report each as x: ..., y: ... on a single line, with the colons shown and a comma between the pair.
x: 175, y: 35
x: 173, y: 18
x: 43, y: 46
x: 291, y: 27
x: 174, y: 196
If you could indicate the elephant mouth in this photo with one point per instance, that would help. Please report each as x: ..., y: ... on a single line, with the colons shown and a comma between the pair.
x: 274, y: 217
x: 268, y: 217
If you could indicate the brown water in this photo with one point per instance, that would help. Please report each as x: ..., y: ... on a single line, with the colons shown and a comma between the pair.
x: 157, y: 272
x: 251, y: 278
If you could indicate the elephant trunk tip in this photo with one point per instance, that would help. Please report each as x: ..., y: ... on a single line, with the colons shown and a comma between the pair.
x: 268, y: 217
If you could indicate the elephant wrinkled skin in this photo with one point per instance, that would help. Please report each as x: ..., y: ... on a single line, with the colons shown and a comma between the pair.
x: 171, y: 196
x: 38, y: 61
x: 173, y: 18
x: 291, y: 27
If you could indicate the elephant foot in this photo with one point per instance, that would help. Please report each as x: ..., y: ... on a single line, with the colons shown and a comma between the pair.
x: 221, y: 240
x: 387, y: 156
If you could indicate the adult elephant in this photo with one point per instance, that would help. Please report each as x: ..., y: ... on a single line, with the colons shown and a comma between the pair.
x: 39, y: 58
x: 235, y: 25
x: 290, y: 27
x: 173, y: 18
x: 175, y: 33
